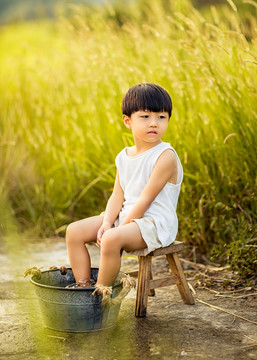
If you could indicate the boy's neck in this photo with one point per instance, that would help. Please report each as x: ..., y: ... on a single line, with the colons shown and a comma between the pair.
x: 142, y: 147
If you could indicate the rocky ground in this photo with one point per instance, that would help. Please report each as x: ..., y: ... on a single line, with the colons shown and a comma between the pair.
x: 221, y: 324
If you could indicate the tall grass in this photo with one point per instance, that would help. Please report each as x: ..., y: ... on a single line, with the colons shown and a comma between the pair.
x: 61, y: 88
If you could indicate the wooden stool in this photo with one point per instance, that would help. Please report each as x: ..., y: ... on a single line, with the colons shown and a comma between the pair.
x: 146, y: 283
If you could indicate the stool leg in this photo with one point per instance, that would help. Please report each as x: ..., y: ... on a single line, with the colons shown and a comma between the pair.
x: 151, y: 292
x: 143, y: 285
x: 177, y: 270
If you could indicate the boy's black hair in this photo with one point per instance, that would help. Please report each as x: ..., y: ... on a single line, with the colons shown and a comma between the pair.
x: 146, y: 96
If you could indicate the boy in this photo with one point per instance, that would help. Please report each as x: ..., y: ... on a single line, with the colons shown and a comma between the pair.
x: 140, y: 215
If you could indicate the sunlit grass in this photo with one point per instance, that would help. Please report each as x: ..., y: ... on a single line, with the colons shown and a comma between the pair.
x: 61, y: 88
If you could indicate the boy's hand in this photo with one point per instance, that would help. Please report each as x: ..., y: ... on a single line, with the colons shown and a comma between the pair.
x: 105, y: 226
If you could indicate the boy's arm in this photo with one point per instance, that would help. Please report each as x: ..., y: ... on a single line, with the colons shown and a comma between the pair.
x: 115, y: 202
x: 165, y: 170
x: 113, y: 208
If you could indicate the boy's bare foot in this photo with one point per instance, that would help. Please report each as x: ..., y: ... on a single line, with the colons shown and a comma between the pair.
x: 82, y: 284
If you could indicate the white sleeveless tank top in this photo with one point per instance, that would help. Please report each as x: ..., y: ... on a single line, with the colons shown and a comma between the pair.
x: 134, y: 173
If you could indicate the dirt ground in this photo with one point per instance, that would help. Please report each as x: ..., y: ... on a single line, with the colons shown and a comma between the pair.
x: 221, y: 324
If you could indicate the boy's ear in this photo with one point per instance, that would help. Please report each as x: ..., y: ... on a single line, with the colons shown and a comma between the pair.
x: 127, y: 121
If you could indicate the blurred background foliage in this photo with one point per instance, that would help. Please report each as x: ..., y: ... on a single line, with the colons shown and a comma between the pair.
x: 64, y: 67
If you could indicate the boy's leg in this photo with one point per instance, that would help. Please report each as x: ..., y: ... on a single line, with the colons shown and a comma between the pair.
x: 77, y: 234
x: 127, y: 237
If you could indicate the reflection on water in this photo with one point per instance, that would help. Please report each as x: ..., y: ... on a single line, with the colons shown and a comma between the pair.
x: 131, y: 338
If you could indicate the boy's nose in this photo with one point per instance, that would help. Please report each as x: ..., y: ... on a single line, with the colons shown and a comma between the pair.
x: 153, y: 122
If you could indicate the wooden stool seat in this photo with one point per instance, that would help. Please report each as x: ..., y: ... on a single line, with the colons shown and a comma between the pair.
x: 146, y: 283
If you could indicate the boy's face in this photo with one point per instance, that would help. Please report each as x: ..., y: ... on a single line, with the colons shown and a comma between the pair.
x: 147, y: 126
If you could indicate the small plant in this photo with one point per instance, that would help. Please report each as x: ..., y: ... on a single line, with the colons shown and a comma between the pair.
x: 242, y: 257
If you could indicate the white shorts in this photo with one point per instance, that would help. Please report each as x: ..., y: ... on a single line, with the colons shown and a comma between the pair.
x: 148, y: 231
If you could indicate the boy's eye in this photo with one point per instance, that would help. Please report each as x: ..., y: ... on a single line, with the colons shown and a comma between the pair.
x: 144, y: 116
x: 162, y: 116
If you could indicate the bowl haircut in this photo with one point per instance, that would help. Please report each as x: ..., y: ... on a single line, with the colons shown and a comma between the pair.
x: 146, y: 96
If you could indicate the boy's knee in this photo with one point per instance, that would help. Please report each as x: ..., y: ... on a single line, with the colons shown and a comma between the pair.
x: 71, y: 232
x: 109, y: 243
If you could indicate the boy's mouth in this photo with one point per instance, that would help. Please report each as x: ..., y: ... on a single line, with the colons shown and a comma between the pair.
x: 152, y: 132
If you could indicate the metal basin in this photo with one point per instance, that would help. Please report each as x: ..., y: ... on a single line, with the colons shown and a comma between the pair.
x: 73, y: 310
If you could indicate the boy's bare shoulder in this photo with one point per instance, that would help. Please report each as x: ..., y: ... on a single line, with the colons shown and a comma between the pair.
x: 168, y: 156
x: 168, y: 161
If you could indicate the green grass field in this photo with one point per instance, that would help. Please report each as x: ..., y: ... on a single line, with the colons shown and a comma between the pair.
x: 61, y: 125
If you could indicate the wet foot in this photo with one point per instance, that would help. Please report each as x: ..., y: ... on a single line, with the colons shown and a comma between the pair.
x: 82, y: 284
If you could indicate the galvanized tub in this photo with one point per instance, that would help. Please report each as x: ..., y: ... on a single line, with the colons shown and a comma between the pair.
x: 73, y: 310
